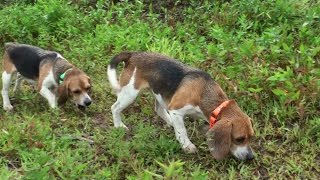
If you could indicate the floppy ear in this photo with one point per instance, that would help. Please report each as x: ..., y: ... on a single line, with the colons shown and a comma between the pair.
x: 89, y: 80
x: 63, y: 93
x: 219, y: 139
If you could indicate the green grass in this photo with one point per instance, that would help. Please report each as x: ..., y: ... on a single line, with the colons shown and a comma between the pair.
x: 264, y: 54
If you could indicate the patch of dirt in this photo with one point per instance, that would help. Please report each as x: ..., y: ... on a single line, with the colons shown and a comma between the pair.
x: 262, y: 173
x: 13, y: 160
x: 100, y: 120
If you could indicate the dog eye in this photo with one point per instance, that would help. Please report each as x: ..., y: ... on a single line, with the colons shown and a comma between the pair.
x: 240, y: 140
x: 76, y: 92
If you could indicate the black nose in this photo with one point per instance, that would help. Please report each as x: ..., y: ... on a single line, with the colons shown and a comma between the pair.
x: 87, y: 102
x: 249, y: 156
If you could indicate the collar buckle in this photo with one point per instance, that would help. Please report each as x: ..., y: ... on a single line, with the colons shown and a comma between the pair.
x: 61, y: 77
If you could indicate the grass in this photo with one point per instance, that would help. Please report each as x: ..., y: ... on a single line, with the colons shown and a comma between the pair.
x: 264, y: 54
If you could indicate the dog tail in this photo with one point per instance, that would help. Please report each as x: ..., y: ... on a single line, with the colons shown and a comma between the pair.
x: 112, y: 67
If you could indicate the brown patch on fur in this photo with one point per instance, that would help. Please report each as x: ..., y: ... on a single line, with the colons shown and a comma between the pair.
x: 189, y: 93
x: 126, y: 75
x: 211, y: 98
x: 8, y: 66
x: 140, y: 82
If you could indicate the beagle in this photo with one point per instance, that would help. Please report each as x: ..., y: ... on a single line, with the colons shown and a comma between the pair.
x: 180, y: 90
x: 57, y: 78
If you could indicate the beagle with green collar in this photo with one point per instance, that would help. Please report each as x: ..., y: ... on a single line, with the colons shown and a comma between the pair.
x: 180, y: 90
x: 57, y: 79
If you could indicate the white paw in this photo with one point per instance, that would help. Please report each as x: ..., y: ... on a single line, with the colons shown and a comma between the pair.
x: 191, y: 148
x: 8, y: 107
x: 121, y: 125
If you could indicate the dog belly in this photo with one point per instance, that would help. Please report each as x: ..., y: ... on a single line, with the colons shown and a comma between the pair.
x: 29, y: 77
x: 30, y: 81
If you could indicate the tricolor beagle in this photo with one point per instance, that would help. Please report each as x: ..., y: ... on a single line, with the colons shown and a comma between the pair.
x: 180, y: 90
x: 55, y: 75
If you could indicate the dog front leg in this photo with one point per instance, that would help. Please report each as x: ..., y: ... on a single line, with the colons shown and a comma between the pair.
x: 6, y: 78
x: 181, y: 132
x: 162, y: 112
x: 49, y: 95
x: 126, y: 96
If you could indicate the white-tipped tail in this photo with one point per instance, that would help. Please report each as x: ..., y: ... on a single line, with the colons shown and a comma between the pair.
x: 112, y: 77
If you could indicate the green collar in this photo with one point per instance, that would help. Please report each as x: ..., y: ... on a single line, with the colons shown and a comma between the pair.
x: 61, y: 77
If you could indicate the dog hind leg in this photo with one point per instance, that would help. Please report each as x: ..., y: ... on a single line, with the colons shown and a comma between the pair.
x: 125, y: 97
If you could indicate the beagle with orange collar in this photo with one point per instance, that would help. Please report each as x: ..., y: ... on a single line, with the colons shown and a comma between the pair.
x: 57, y: 78
x: 180, y: 90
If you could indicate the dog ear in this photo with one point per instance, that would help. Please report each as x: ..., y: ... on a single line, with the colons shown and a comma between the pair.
x: 89, y: 79
x: 219, y: 139
x: 63, y: 93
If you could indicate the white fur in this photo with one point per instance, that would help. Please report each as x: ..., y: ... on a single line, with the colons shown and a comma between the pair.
x: 240, y: 152
x: 179, y: 128
x: 160, y: 101
x: 84, y: 97
x: 6, y: 78
x: 161, y: 109
x: 127, y: 94
x: 59, y: 56
x: 45, y: 91
x: 112, y: 77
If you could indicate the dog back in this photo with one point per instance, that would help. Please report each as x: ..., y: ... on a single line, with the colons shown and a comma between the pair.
x: 27, y: 58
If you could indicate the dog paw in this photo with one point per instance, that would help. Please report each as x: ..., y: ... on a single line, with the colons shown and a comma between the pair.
x: 191, y: 148
x: 122, y: 126
x: 8, y: 107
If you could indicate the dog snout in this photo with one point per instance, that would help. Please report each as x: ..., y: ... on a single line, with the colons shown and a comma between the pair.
x: 249, y: 155
x: 243, y: 153
x: 87, y: 101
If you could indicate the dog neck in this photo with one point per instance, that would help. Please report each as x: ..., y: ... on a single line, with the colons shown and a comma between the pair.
x: 212, y: 97
x: 61, y: 66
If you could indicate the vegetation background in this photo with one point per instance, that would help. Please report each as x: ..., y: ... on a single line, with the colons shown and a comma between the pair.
x: 265, y: 54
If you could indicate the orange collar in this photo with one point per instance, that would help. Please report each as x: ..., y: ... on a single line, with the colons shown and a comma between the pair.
x: 216, y: 112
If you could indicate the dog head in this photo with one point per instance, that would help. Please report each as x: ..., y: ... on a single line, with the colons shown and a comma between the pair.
x: 231, y: 134
x: 76, y: 86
